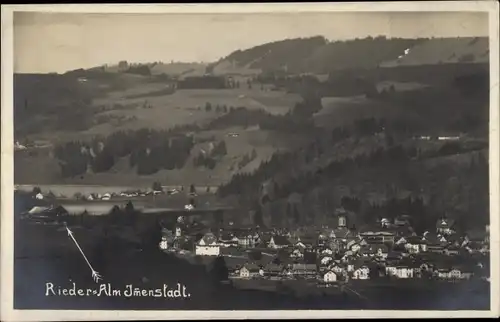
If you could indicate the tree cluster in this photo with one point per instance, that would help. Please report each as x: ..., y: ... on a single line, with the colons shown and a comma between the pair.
x: 148, y: 150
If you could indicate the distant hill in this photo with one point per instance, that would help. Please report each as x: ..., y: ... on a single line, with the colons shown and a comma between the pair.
x: 317, y: 55
x: 289, y: 53
x: 177, y: 69
x: 156, y: 68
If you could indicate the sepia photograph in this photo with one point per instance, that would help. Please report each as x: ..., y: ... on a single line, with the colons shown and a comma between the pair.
x: 219, y: 158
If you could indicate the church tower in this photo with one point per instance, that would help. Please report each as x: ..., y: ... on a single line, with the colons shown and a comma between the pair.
x: 178, y: 231
x: 341, y: 215
x: 342, y: 220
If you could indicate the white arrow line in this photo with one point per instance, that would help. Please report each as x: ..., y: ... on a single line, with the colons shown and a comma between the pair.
x: 95, y: 275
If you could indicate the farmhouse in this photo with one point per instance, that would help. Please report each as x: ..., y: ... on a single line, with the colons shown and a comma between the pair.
x: 247, y: 239
x: 166, y: 239
x: 273, y: 269
x: 330, y: 277
x: 362, y: 273
x: 415, y: 245
x: 304, y: 269
x: 379, y: 250
x: 326, y: 260
x: 399, y: 271
x: 445, y: 226
x: 297, y: 253
x: 249, y: 271
x: 278, y: 242
x: 453, y: 273
x: 336, y: 268
x: 208, y: 246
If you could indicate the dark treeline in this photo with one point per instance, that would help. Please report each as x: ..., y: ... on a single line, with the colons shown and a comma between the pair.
x: 168, y: 90
x: 142, y: 70
x: 148, y: 150
x: 244, y: 117
x: 350, y: 85
x: 297, y: 119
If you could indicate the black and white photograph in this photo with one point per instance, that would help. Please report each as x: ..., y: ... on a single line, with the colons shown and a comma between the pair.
x: 224, y: 159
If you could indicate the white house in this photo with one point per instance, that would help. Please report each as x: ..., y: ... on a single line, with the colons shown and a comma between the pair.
x: 404, y: 272
x: 208, y: 246
x: 362, y: 273
x: 384, y: 222
x: 355, y: 248
x: 249, y: 271
x: 178, y: 231
x: 415, y: 245
x: 453, y: 274
x: 412, y: 248
x: 247, y: 240
x: 297, y: 253
x: 379, y: 250
x: 399, y: 271
x: 329, y: 277
x: 164, y: 243
x: 326, y: 251
x: 445, y: 226
x: 278, y: 242
x: 326, y: 260
x: 208, y: 250
x: 337, y: 269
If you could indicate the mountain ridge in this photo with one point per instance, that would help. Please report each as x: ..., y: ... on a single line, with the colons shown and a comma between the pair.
x: 318, y: 55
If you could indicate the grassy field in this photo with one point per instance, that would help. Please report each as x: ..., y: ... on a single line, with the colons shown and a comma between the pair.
x: 186, y: 106
x: 123, y: 108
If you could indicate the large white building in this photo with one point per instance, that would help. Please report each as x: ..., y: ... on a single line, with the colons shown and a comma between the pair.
x: 208, y: 246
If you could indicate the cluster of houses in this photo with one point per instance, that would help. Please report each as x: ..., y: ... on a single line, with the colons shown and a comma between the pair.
x: 110, y: 195
x: 131, y: 194
x: 390, y: 250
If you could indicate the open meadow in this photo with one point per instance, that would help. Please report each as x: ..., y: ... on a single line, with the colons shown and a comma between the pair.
x: 184, y: 106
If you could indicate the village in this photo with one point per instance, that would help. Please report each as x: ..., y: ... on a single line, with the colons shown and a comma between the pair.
x: 390, y: 252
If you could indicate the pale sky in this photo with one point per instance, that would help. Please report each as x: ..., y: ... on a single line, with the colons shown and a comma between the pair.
x: 58, y: 42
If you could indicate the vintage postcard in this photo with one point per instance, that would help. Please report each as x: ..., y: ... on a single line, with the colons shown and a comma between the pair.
x: 248, y: 161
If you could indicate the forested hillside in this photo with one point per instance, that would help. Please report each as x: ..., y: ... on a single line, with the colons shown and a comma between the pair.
x: 319, y: 56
